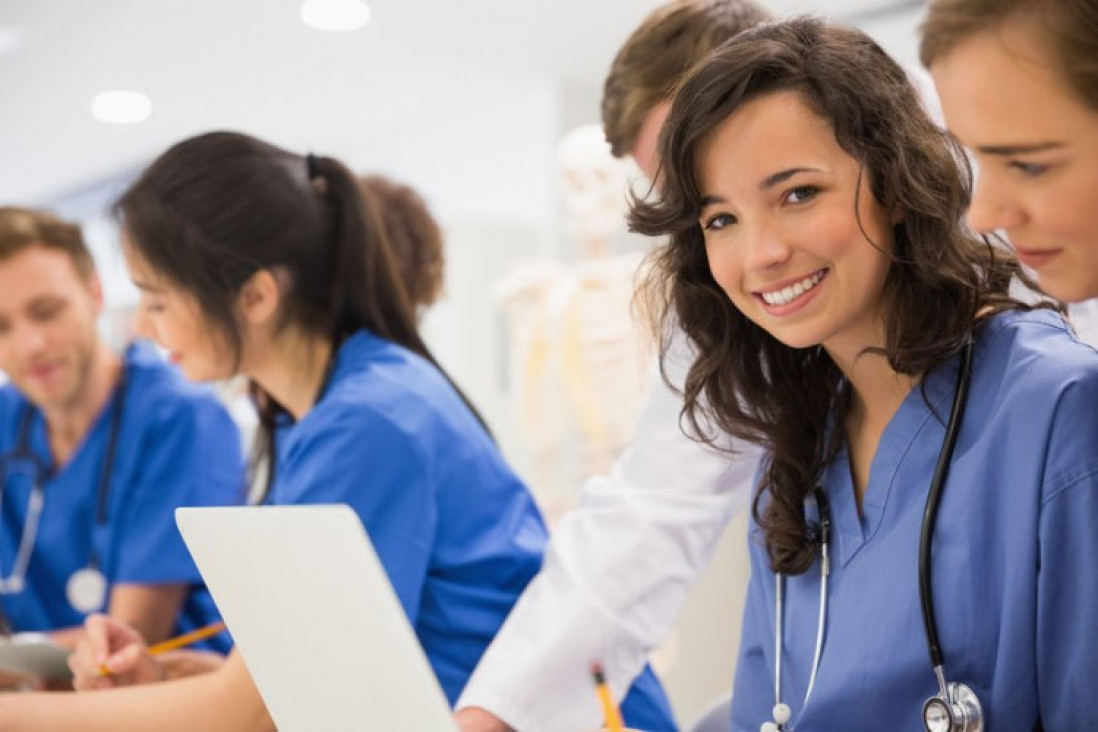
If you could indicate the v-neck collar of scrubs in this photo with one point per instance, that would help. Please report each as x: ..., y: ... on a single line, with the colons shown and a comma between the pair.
x: 899, y: 436
x: 38, y: 439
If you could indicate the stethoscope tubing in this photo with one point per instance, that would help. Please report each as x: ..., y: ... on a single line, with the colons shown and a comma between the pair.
x: 930, y: 515
x: 22, y: 451
x: 824, y: 511
x: 930, y: 512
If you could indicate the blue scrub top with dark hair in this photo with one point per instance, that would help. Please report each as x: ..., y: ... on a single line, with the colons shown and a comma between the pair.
x: 1014, y: 558
x: 176, y: 446
x: 457, y: 531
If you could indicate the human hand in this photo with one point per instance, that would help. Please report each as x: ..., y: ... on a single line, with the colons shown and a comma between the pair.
x: 116, y: 648
x: 476, y: 719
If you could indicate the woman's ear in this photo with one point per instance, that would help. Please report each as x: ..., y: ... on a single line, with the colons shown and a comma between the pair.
x: 259, y: 298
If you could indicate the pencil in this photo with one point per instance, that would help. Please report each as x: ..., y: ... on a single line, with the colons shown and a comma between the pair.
x: 179, y: 641
x: 609, y: 710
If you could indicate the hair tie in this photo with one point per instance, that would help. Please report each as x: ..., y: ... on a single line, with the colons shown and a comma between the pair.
x: 316, y: 178
x: 310, y: 166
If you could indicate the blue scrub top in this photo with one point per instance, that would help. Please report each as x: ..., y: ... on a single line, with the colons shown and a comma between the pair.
x: 457, y: 531
x: 177, y: 446
x: 1014, y: 560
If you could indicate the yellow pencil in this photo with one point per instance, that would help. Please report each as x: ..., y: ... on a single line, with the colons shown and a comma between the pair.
x: 179, y: 641
x: 610, y: 711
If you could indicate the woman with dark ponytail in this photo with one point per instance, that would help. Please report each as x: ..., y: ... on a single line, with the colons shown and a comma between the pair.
x: 253, y: 260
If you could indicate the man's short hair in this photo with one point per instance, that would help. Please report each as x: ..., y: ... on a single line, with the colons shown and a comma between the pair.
x: 21, y: 228
x: 658, y: 54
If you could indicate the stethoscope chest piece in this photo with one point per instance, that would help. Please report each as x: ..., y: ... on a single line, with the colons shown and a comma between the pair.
x: 87, y: 590
x: 961, y: 712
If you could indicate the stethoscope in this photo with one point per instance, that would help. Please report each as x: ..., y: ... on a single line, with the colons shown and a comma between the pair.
x: 956, y: 707
x: 86, y: 588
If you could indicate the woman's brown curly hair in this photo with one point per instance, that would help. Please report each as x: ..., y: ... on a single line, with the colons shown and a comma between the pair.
x: 942, y: 277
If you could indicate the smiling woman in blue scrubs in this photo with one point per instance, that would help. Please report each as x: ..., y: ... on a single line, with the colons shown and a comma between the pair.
x: 96, y: 451
x: 254, y: 260
x: 819, y: 263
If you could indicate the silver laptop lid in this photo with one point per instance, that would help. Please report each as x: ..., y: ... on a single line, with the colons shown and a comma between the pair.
x: 315, y: 618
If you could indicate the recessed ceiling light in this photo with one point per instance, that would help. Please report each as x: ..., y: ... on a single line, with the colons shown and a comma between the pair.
x: 121, y: 107
x: 335, y: 15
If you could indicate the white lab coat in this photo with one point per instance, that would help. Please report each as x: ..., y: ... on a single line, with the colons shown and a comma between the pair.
x: 616, y: 571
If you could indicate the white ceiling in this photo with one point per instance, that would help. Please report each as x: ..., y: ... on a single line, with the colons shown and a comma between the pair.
x: 252, y: 65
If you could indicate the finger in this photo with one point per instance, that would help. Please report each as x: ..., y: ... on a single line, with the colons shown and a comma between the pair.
x: 79, y: 661
x: 97, y: 635
x: 127, y: 659
x: 92, y: 682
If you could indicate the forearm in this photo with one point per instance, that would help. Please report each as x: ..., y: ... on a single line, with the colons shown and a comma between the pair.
x: 186, y: 662
x: 222, y: 701
x: 612, y: 585
x: 616, y: 573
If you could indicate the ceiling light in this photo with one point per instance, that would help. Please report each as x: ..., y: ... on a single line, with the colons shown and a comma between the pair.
x: 121, y: 107
x: 335, y: 15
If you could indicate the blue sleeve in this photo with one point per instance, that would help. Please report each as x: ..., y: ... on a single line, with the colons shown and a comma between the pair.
x: 1067, y: 574
x: 753, y: 692
x: 188, y: 453
x: 362, y: 459
x: 1067, y: 598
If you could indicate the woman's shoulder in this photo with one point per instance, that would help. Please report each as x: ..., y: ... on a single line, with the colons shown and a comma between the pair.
x: 375, y: 385
x: 1033, y: 360
x: 1041, y: 340
x: 380, y: 387
x: 346, y: 407
x: 385, y: 379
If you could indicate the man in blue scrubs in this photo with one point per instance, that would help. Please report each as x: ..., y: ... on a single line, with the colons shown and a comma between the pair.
x: 97, y: 450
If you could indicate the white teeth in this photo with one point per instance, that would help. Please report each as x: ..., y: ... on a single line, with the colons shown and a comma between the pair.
x: 789, y: 294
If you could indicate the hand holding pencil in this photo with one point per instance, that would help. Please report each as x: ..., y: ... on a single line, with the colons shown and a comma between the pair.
x: 113, y: 654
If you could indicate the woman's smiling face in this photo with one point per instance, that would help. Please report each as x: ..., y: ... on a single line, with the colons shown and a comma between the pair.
x: 793, y: 233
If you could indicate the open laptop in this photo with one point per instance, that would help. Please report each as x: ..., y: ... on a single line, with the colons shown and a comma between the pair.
x: 314, y: 616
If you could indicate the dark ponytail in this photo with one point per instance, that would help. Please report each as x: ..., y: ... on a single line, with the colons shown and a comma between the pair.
x: 216, y: 208
x: 367, y: 289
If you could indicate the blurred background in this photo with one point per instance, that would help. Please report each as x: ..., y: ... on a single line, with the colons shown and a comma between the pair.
x: 465, y: 101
